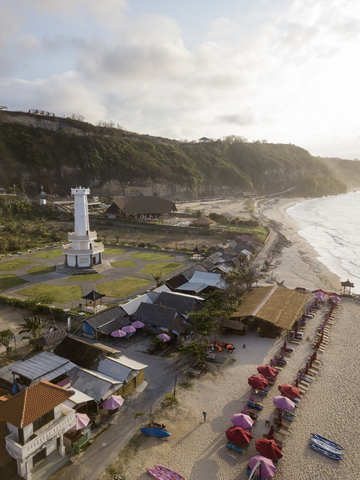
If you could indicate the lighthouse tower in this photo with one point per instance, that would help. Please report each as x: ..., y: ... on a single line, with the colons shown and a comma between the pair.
x: 82, y: 251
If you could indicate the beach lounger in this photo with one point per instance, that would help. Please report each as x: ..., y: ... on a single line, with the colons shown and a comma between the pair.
x: 287, y: 412
x: 255, y: 405
x: 260, y: 392
x: 235, y: 448
x: 279, y: 439
x: 296, y: 342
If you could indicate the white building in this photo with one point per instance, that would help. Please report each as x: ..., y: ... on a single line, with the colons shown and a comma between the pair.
x: 82, y: 251
x: 37, y: 420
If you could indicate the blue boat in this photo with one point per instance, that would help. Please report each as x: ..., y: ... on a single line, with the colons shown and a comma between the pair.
x: 326, y: 440
x: 327, y: 447
x: 325, y: 452
x: 155, y: 432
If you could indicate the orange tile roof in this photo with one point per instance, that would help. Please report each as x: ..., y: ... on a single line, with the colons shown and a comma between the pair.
x: 32, y: 403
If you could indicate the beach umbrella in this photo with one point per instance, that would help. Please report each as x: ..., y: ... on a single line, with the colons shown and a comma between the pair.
x: 242, y: 420
x: 284, y: 403
x: 297, y: 382
x: 245, y: 410
x: 289, y: 391
x: 113, y: 402
x: 279, y: 420
x: 129, y: 329
x: 284, y: 345
x: 257, y: 381
x: 82, y: 420
x: 270, y: 435
x: 268, y: 448
x: 118, y: 333
x: 267, y: 371
x: 335, y: 298
x: 275, y: 360
x: 238, y: 435
x: 267, y: 467
x: 293, y: 335
x: 300, y: 376
x: 251, y: 398
x: 138, y: 324
x: 164, y: 337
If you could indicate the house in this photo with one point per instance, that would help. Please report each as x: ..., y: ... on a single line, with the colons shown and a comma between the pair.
x: 94, y: 384
x: 81, y: 353
x: 104, y: 323
x: 181, y: 302
x: 244, y: 257
x: 128, y: 371
x: 201, y: 222
x: 204, y: 140
x: 158, y: 318
x: 141, y: 206
x: 183, y: 277
x: 203, y: 282
x: 131, y: 306
x: 37, y: 419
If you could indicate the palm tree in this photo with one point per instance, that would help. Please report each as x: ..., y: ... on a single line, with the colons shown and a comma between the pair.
x: 33, y: 327
x: 5, y: 337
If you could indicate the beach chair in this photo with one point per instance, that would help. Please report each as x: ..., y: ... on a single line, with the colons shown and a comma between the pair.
x: 235, y: 448
x: 287, y: 412
x: 260, y: 392
x: 254, y: 405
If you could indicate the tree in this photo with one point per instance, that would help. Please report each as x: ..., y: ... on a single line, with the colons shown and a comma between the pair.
x: 196, y: 349
x: 33, y: 327
x: 5, y: 337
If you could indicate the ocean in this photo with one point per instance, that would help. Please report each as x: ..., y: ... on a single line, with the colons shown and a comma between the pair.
x: 332, y: 226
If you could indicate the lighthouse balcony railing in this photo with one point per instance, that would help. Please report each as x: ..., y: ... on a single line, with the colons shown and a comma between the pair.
x: 91, y: 236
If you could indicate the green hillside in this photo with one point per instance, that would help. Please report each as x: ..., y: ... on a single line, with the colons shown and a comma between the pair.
x: 96, y: 155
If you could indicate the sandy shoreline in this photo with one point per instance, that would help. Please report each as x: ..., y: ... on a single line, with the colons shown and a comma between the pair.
x: 197, y: 449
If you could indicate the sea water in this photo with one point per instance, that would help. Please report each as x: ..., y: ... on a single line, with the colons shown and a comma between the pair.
x: 332, y: 226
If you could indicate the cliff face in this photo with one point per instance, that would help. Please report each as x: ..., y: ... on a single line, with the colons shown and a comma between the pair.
x: 61, y: 153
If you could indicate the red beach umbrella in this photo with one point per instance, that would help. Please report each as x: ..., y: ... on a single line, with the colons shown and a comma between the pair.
x: 271, y: 432
x: 257, y: 381
x: 268, y: 448
x: 289, y: 391
x: 238, y: 435
x: 267, y: 371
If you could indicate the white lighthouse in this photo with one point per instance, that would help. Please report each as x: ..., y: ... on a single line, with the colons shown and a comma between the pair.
x: 82, y: 251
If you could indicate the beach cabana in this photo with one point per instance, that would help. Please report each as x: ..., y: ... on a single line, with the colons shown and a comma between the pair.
x: 347, y: 287
x: 271, y: 309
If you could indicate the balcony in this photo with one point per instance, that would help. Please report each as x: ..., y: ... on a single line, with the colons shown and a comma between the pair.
x: 68, y: 250
x: 48, y: 432
x: 91, y: 236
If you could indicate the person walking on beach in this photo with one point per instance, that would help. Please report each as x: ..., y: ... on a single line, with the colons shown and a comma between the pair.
x: 204, y: 414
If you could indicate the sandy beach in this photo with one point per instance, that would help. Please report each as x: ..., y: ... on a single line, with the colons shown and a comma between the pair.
x: 197, y: 449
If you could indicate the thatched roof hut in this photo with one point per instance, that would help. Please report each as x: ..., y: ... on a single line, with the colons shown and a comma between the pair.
x: 202, y: 222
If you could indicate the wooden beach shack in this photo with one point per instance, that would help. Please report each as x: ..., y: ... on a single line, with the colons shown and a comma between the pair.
x: 270, y: 309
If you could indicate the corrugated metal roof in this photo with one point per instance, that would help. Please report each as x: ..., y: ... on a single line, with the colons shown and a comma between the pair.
x: 96, y: 385
x: 105, y: 317
x: 45, y: 366
x: 131, y: 307
x: 114, y: 369
x: 210, y: 279
x: 129, y: 362
x: 192, y: 287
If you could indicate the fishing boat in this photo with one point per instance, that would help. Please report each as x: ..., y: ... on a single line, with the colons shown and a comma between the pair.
x: 325, y: 452
x: 326, y: 440
x: 171, y: 473
x: 158, y: 474
x: 327, y: 447
x: 155, y: 432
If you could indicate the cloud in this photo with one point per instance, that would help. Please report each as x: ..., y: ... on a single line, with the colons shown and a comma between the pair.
x: 246, y: 117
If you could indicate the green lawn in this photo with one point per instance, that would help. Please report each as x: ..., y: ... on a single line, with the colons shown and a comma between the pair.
x: 121, y: 288
x: 12, y: 265
x: 41, y: 270
x: 123, y: 264
x: 160, y: 268
x: 113, y: 251
x: 49, y: 254
x: 10, y: 281
x: 58, y: 294
x: 85, y: 278
x: 151, y: 257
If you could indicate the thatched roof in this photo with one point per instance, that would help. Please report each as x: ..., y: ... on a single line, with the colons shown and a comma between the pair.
x: 142, y: 205
x: 233, y: 325
x: 277, y: 305
x: 202, y: 222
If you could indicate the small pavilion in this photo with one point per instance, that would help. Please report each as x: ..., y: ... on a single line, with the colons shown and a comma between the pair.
x: 93, y: 302
x: 347, y: 287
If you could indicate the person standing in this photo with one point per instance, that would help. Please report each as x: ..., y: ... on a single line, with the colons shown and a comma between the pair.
x: 204, y: 414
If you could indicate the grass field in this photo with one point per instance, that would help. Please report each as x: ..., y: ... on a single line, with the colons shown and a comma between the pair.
x: 12, y: 265
x: 85, y: 278
x: 161, y: 268
x: 113, y: 251
x: 123, y: 264
x: 41, y: 270
x: 10, y: 281
x: 151, y: 257
x: 49, y: 254
x: 122, y: 288
x: 58, y: 294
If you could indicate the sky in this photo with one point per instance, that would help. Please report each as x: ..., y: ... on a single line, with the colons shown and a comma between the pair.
x: 284, y: 71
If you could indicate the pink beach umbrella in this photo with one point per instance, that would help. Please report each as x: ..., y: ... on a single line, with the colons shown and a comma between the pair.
x: 245, y: 410
x: 129, y: 329
x: 138, y: 324
x: 82, y: 421
x: 251, y: 398
x: 113, y: 402
x: 164, y: 337
x: 267, y: 468
x: 283, y: 403
x: 118, y: 333
x: 242, y: 420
